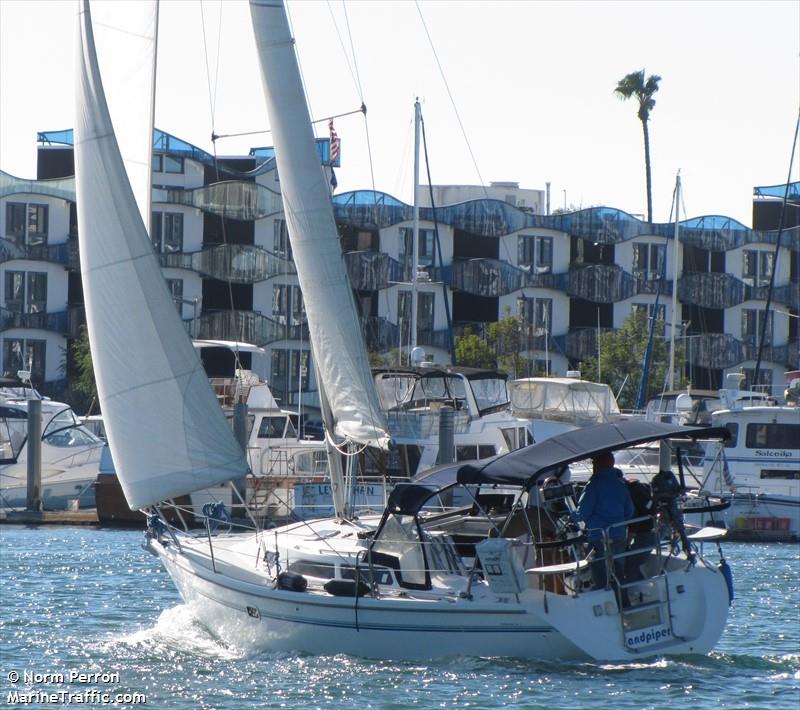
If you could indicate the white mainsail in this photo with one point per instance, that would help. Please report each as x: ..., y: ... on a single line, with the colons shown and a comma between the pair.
x: 167, y: 433
x: 125, y: 44
x: 339, y: 353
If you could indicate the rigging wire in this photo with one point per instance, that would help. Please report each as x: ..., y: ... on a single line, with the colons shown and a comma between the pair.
x: 763, y: 334
x: 212, y: 108
x: 452, y: 99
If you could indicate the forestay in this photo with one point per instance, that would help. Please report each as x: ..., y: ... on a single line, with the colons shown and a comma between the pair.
x: 166, y: 431
x: 126, y: 50
x: 340, y: 356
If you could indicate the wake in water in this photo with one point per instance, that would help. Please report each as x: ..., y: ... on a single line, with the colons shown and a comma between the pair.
x: 178, y: 630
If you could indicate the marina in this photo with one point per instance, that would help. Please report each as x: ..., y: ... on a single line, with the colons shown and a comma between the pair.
x: 470, y: 450
x: 90, y: 601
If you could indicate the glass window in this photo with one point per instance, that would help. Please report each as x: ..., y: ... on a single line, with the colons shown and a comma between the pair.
x: 15, y: 291
x: 37, y: 224
x: 290, y: 372
x: 466, y: 453
x: 425, y: 316
x: 26, y: 223
x: 36, y: 301
x: 166, y: 231
x: 407, y: 247
x: 287, y: 304
x: 281, y: 244
x: 173, y: 164
x: 158, y: 163
x: 20, y: 354
x: 773, y: 436
x: 648, y: 260
x: 536, y: 252
x: 26, y: 292
x: 272, y: 427
x: 15, y: 222
x: 733, y: 428
x: 486, y: 451
x: 781, y: 473
x: 752, y: 320
x: 536, y: 315
x: 399, y: 539
x: 757, y: 266
x: 175, y: 287
x: 173, y: 232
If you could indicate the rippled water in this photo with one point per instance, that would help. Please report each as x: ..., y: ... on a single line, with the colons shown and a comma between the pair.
x: 93, y: 601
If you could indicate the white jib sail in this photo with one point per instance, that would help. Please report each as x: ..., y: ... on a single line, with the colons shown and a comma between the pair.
x: 339, y: 352
x: 125, y: 43
x: 167, y: 433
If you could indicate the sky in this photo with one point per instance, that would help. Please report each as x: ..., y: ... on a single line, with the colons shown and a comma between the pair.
x: 510, y: 91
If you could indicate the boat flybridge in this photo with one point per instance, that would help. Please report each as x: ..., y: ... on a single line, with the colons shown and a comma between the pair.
x: 507, y: 575
x: 415, y: 400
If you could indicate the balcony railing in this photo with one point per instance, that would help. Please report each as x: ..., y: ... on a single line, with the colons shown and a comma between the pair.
x: 54, y: 253
x: 238, y: 263
x: 243, y: 326
x: 371, y: 270
x: 54, y: 322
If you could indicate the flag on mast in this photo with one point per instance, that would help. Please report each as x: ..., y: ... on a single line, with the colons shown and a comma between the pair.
x: 335, y: 141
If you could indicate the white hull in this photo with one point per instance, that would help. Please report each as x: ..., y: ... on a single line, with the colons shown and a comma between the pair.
x: 754, y: 517
x: 58, y: 492
x: 238, y: 603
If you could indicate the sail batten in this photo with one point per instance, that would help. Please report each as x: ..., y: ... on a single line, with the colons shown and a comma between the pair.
x: 339, y: 353
x: 167, y: 433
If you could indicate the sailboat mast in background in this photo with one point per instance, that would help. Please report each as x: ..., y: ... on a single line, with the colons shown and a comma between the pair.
x: 675, y: 319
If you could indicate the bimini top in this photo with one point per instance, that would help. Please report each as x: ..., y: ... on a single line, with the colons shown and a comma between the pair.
x: 523, y: 467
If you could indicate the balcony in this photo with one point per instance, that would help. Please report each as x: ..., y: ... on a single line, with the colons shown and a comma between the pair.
x: 723, y: 351
x: 717, y: 290
x: 54, y: 322
x: 233, y: 199
x: 371, y: 270
x: 486, y: 277
x: 53, y: 253
x: 238, y: 263
x: 605, y: 225
x: 243, y: 326
x: 601, y: 283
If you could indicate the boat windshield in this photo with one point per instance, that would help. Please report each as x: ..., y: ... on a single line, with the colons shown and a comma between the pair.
x: 65, y: 429
x: 489, y: 392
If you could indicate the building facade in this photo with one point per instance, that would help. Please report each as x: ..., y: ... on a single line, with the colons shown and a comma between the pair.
x: 484, y: 254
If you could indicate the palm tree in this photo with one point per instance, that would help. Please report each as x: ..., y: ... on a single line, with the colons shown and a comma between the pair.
x: 635, y: 84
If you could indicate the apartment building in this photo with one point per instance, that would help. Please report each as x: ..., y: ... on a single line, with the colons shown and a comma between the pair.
x: 483, y: 254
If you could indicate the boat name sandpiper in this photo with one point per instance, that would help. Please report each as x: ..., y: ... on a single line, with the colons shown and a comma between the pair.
x: 70, y: 677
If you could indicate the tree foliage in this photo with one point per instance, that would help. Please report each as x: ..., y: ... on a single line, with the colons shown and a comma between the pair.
x: 500, y: 348
x: 622, y: 357
x: 83, y: 383
x: 636, y: 85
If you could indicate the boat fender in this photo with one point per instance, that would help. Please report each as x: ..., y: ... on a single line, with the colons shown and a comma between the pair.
x: 727, y: 575
x: 292, y: 582
x: 346, y: 588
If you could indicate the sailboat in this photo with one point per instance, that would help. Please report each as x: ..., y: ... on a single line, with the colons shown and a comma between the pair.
x: 421, y: 580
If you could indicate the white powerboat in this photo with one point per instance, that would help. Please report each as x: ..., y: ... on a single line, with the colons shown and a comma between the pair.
x: 70, y: 454
x: 760, y: 476
x: 415, y: 400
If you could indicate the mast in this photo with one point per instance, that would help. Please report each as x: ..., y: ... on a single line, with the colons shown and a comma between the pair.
x: 674, y: 310
x: 415, y: 236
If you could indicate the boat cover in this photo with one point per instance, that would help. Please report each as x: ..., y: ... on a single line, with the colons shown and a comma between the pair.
x: 524, y: 467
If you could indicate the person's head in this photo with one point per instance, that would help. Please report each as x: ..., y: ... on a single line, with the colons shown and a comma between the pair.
x: 601, y: 461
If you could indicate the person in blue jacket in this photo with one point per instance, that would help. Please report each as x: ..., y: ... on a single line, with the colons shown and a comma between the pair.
x: 604, y: 502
